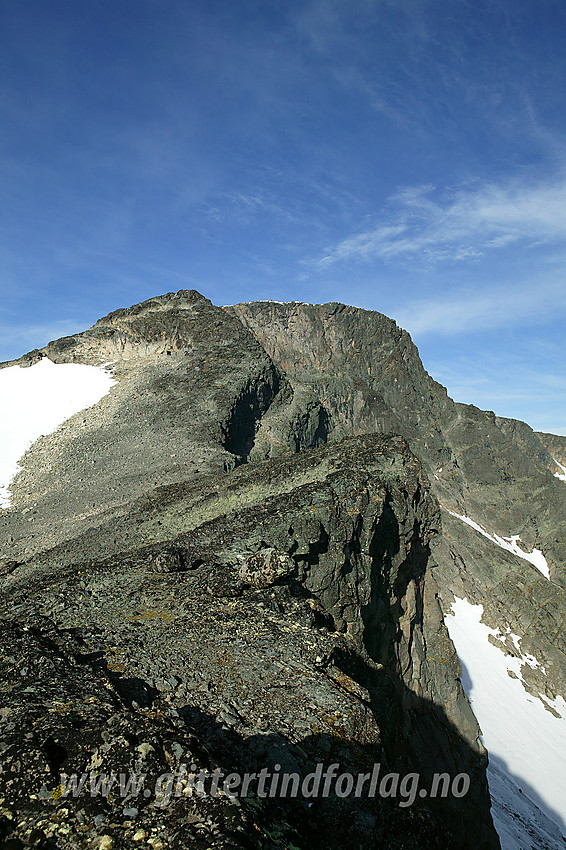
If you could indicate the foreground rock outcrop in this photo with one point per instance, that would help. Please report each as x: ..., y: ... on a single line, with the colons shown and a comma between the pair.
x: 339, y: 654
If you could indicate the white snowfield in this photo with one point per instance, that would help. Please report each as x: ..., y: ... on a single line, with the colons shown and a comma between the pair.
x: 536, y: 558
x: 525, y: 741
x: 563, y: 468
x: 35, y: 400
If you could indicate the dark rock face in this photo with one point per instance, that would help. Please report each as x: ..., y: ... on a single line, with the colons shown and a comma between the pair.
x: 368, y: 375
x: 556, y: 446
x: 228, y: 560
x: 328, y: 653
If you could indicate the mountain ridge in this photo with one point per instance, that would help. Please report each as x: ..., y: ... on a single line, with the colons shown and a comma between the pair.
x: 206, y: 395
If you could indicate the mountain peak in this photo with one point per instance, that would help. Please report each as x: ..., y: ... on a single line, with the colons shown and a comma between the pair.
x: 296, y: 479
x: 181, y: 300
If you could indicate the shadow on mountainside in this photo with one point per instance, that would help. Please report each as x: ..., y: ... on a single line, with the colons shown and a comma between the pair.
x: 293, y: 573
x: 64, y: 711
x: 518, y: 783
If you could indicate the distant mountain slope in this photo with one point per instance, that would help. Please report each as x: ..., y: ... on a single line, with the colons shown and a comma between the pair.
x: 496, y: 472
x: 369, y: 376
x: 555, y: 445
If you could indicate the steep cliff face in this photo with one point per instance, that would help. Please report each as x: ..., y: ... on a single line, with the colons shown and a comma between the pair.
x: 500, y: 485
x: 243, y: 549
x: 367, y: 375
x: 291, y: 599
x: 556, y: 446
x: 363, y: 368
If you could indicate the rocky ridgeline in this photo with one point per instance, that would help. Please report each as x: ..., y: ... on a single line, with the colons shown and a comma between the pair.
x: 225, y: 558
x: 499, y: 472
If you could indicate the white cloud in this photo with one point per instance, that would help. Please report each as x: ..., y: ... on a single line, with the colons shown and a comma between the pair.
x: 491, y: 307
x: 511, y: 379
x: 31, y: 336
x: 460, y: 224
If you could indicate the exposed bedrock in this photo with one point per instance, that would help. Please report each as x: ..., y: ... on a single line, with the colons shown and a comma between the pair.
x: 368, y: 375
x: 238, y: 469
x: 343, y: 531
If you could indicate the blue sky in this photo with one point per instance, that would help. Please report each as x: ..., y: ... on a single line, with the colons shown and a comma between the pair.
x: 407, y: 156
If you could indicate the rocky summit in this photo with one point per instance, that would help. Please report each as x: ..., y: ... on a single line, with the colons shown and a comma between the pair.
x: 241, y: 559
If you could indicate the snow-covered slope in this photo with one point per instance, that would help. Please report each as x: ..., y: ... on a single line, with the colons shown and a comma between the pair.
x: 35, y: 400
x: 526, y: 741
x: 536, y: 558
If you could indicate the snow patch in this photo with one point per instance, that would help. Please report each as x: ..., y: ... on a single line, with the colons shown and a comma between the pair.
x: 563, y: 468
x: 525, y: 741
x: 35, y: 401
x: 536, y: 558
x: 519, y: 822
x: 526, y: 657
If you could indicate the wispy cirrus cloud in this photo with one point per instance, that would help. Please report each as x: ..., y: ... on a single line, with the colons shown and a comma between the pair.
x: 459, y: 224
x: 31, y: 336
x: 471, y: 310
x: 512, y: 382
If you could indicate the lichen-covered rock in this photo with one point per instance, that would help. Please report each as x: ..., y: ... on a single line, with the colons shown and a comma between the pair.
x: 302, y: 609
x: 266, y: 567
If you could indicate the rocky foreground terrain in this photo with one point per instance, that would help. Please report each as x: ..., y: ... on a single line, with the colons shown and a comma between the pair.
x: 240, y: 558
